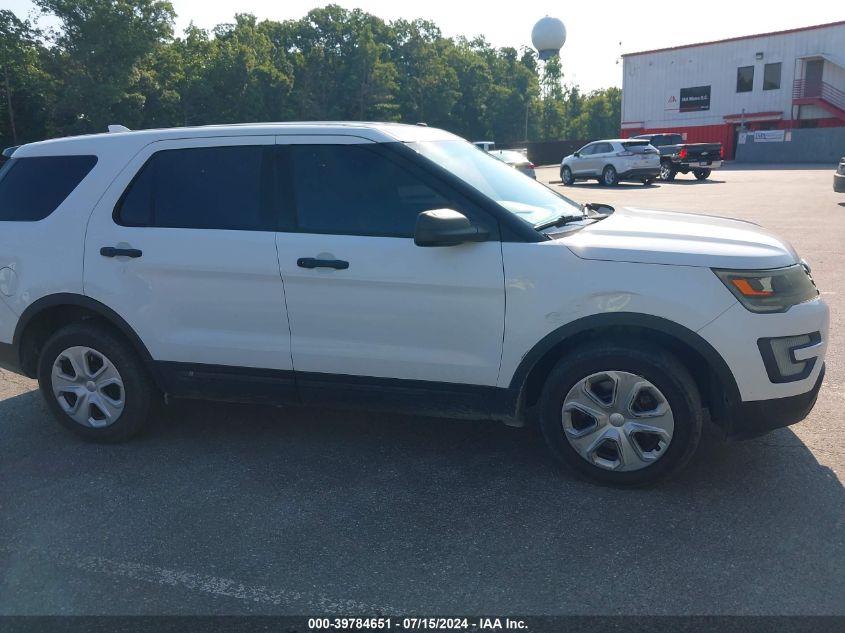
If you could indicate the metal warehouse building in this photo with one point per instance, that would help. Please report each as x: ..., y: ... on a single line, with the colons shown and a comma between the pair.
x: 715, y: 91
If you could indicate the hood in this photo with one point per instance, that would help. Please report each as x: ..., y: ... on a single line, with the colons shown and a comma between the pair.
x: 681, y: 239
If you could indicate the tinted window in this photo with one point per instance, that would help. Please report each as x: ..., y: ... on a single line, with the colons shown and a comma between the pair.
x: 587, y: 150
x: 637, y: 147
x: 771, y: 76
x: 32, y: 188
x: 745, y: 79
x: 202, y: 188
x: 354, y: 190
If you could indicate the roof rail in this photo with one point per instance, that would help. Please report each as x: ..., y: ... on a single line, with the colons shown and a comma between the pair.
x: 7, y: 153
x: 118, y: 128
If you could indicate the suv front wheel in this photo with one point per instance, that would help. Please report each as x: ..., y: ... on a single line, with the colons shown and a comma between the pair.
x: 94, y: 383
x: 621, y: 414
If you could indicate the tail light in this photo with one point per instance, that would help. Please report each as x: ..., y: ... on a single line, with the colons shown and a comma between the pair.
x: 531, y: 166
x: 722, y: 153
x: 682, y: 153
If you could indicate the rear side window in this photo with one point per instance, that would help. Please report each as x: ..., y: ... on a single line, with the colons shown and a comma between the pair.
x: 637, y: 147
x: 202, y: 188
x: 354, y: 190
x: 32, y: 188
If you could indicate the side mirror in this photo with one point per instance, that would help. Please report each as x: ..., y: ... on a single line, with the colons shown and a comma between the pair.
x: 577, y: 154
x: 600, y: 207
x: 445, y: 227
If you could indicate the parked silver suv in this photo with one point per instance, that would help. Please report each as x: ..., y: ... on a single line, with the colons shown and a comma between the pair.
x: 612, y: 161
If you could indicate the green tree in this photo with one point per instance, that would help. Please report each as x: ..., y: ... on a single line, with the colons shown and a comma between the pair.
x: 427, y: 84
x: 95, y: 57
x: 23, y: 104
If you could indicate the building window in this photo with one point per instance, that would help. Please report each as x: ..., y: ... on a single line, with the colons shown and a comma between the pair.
x: 771, y: 77
x: 744, y: 78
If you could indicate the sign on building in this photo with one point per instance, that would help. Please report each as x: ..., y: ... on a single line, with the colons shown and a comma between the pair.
x: 769, y: 136
x: 695, y: 99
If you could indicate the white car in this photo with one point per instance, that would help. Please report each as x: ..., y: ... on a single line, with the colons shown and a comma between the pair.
x: 393, y: 267
x: 517, y: 160
x: 611, y: 162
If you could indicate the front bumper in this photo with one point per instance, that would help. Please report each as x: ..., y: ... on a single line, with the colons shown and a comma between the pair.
x: 839, y: 183
x: 750, y: 419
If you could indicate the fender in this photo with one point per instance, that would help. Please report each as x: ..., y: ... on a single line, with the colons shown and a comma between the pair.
x: 630, y: 319
x: 102, y: 310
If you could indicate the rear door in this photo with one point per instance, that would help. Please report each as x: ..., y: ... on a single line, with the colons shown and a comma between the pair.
x: 377, y: 310
x: 182, y: 246
x: 602, y: 154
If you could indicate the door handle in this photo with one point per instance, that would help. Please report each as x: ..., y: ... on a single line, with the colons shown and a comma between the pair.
x: 311, y: 262
x: 112, y: 251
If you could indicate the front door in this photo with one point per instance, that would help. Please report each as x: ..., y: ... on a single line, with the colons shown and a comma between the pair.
x: 182, y: 246
x: 584, y: 163
x: 369, y: 308
x: 813, y: 70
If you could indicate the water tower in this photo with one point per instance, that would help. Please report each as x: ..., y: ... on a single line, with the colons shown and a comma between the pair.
x: 548, y: 37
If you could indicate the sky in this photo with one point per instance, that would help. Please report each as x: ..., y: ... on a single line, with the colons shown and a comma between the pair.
x: 594, y: 29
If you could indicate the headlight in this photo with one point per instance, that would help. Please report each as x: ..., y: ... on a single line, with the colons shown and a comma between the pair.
x: 774, y: 290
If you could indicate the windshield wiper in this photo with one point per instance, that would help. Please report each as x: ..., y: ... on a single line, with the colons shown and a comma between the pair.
x: 589, y: 211
x: 559, y: 221
x: 562, y: 220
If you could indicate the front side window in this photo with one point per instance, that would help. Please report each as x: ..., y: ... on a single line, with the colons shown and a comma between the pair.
x: 587, y: 150
x: 355, y: 190
x: 745, y: 79
x: 32, y: 188
x: 771, y: 76
x: 202, y: 188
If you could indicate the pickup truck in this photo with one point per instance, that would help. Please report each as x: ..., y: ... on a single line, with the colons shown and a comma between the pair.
x: 677, y: 156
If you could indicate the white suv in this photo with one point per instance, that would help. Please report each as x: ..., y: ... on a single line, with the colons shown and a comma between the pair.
x: 612, y: 161
x: 395, y: 267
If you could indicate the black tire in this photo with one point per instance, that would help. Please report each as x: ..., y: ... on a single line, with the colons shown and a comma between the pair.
x: 701, y: 174
x: 667, y: 171
x: 139, y: 393
x: 609, y: 176
x: 566, y: 176
x: 648, y: 181
x: 654, y: 364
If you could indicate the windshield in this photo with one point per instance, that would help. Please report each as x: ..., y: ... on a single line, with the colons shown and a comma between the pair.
x: 521, y: 195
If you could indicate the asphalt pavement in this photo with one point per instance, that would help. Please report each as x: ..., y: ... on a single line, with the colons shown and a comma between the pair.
x: 235, y: 509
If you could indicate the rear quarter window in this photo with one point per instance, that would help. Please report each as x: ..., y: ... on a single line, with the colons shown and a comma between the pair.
x: 32, y: 188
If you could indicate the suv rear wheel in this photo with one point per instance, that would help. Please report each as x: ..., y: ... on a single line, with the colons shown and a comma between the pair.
x: 622, y: 414
x: 667, y: 171
x: 94, y: 383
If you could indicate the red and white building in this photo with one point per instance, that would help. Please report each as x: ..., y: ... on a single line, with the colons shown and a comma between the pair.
x: 713, y: 91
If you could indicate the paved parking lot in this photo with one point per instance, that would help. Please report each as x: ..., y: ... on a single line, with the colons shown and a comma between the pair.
x: 225, y: 509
